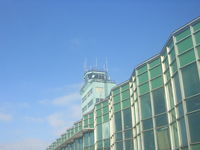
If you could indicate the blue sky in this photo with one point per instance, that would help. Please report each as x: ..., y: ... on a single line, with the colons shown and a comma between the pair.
x: 43, y: 46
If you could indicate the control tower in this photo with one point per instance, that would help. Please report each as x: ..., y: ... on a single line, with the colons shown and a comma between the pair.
x: 97, y: 87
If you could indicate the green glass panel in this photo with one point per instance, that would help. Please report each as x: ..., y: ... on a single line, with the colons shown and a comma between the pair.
x: 172, y: 55
x: 91, y: 120
x: 125, y: 87
x: 85, y: 117
x: 198, y: 51
x: 98, y: 112
x: 118, y: 121
x: 149, y: 143
x: 146, y: 106
x: 180, y: 110
x: 91, y: 115
x: 127, y: 118
x: 159, y: 101
x: 118, y: 136
x: 183, y: 135
x: 185, y: 45
x: 128, y: 134
x: 142, y: 69
x: 175, y: 135
x: 119, y: 145
x: 193, y: 103
x: 116, y: 91
x: 144, y: 88
x: 126, y: 103
x: 163, y: 139
x: 187, y: 58
x: 98, y: 106
x: 154, y: 63
x: 143, y: 78
x: 117, y: 107
x: 155, y: 72
x: 105, y: 103
x: 197, y: 37
x: 105, y: 110
x: 158, y: 82
x: 161, y: 120
x: 99, y: 120
x: 125, y: 94
x: 99, y: 132
x: 196, y: 147
x: 147, y: 124
x: 174, y: 67
x: 177, y: 88
x: 106, y: 117
x: 191, y: 80
x: 183, y: 34
x: 129, y: 144
x: 196, y: 27
x: 194, y: 121
x: 116, y: 98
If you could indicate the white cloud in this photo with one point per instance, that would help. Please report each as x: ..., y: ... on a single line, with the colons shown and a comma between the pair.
x: 30, y: 144
x: 67, y: 99
x: 5, y: 117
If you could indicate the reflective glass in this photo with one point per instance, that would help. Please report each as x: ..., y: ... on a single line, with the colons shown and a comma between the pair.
x: 145, y: 106
x: 177, y: 88
x: 194, y: 124
x: 118, y: 121
x: 159, y: 101
x: 147, y: 124
x: 149, y: 143
x: 191, y: 80
x: 127, y: 118
x: 163, y: 139
x: 161, y: 120
x: 175, y: 135
x: 185, y: 45
x: 129, y: 144
x: 183, y: 132
x: 193, y: 103
x: 119, y: 145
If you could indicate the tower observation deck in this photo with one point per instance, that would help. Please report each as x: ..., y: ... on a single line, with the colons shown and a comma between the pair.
x: 97, y: 87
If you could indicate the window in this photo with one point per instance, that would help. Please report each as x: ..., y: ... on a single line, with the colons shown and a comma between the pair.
x: 193, y: 103
x: 183, y: 34
x: 187, y: 58
x: 159, y: 101
x: 163, y: 139
x: 143, y: 78
x: 154, y: 63
x: 183, y: 132
x: 119, y: 145
x: 142, y: 69
x: 99, y: 132
x: 196, y: 27
x: 185, y: 45
x: 155, y: 71
x: 127, y: 118
x: 118, y: 121
x: 161, y: 120
x: 158, y: 82
x: 175, y: 135
x: 147, y: 124
x: 177, y: 88
x: 106, y: 130
x: 146, y: 106
x: 129, y: 144
x: 144, y: 88
x: 149, y: 140
x: 191, y: 80
x: 197, y: 37
x: 194, y: 121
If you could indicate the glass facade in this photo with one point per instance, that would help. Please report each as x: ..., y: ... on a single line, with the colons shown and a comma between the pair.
x: 158, y: 108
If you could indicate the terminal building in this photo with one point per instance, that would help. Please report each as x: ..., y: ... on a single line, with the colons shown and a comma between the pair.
x: 157, y: 108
